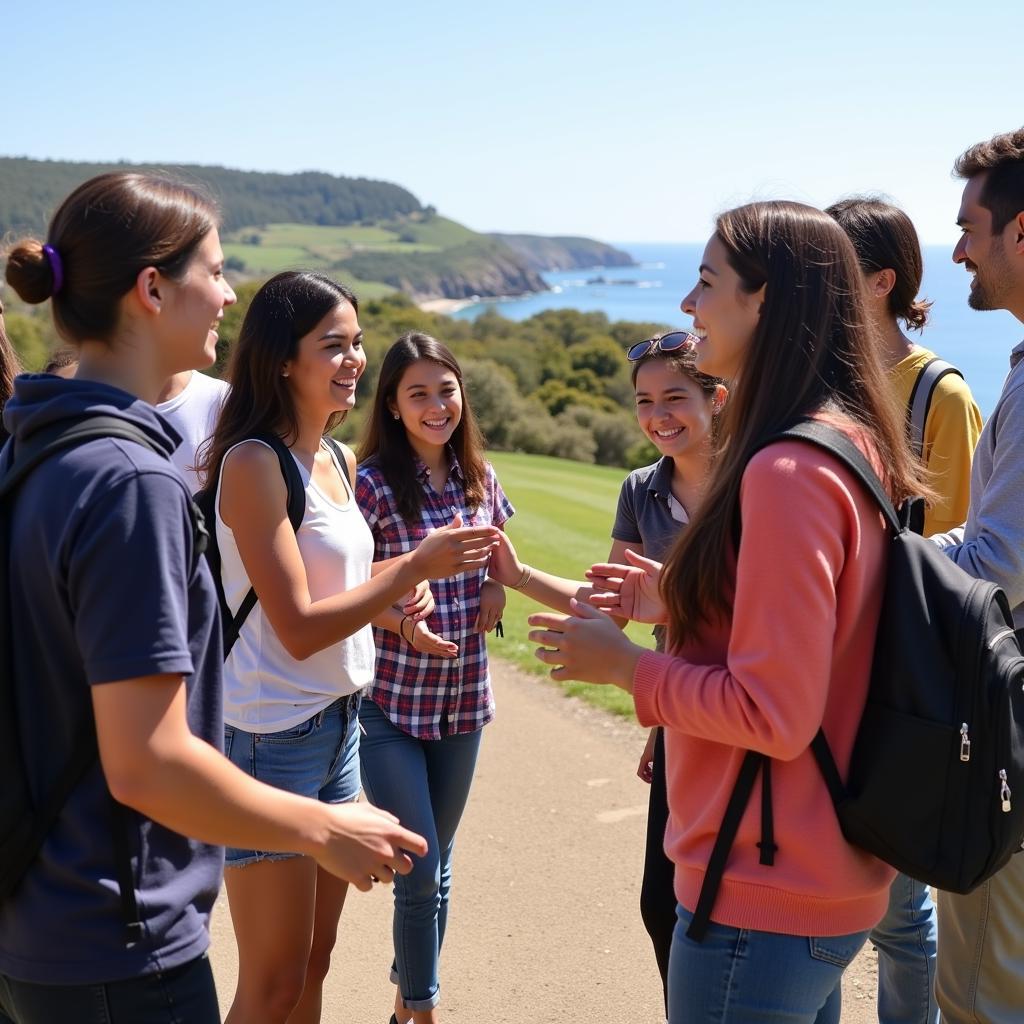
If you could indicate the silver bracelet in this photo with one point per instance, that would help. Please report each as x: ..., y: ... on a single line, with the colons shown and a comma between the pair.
x: 524, y: 579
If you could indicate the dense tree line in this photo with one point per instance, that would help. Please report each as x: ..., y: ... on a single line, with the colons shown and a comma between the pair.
x: 555, y: 384
x: 31, y: 189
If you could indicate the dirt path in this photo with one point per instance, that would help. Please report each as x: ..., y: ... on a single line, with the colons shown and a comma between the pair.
x: 544, y: 925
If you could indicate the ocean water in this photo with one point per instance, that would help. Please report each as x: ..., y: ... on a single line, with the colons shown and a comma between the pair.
x: 978, y: 343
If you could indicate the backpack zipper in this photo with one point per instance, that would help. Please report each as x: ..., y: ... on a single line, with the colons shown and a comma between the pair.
x: 1004, y: 791
x: 965, y: 743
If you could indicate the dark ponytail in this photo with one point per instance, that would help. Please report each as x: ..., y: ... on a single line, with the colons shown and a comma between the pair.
x: 107, y: 231
x: 885, y: 239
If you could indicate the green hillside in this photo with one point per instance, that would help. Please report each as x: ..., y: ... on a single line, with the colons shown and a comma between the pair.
x: 563, y: 521
x: 374, y: 233
x: 31, y: 189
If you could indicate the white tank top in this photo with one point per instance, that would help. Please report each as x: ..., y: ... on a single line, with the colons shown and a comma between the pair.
x: 265, y: 688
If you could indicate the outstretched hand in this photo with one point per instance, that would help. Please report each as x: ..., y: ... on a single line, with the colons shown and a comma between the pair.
x: 364, y: 844
x: 628, y: 591
x: 453, y: 549
x: 585, y: 645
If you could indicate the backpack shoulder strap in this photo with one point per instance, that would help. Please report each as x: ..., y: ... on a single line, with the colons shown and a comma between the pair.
x: 341, y: 453
x: 24, y: 458
x: 921, y: 398
x: 836, y: 443
x: 48, y: 441
x: 296, y: 507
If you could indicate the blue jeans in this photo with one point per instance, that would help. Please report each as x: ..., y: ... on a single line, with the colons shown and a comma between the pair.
x: 318, y: 758
x: 905, y: 940
x: 426, y: 784
x: 181, y: 995
x: 741, y: 976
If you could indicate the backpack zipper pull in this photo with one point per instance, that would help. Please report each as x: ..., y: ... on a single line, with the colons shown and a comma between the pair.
x: 1004, y: 791
x: 965, y: 743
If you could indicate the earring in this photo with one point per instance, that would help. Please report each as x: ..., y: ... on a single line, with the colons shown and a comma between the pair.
x: 284, y: 374
x: 396, y: 415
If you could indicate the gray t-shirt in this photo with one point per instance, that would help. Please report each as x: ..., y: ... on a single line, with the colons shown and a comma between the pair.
x: 105, y: 586
x: 645, y: 515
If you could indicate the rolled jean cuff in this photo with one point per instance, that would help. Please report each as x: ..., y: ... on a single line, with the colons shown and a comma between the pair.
x: 415, y: 1004
x: 420, y: 1004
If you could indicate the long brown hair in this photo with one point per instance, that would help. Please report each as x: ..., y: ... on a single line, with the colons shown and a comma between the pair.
x: 813, y: 350
x: 9, y: 366
x: 108, y: 230
x: 387, y: 444
x: 281, y: 313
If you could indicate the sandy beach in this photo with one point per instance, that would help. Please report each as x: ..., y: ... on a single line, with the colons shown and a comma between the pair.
x: 444, y: 306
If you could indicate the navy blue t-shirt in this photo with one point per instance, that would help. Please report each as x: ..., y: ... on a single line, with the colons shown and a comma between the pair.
x: 105, y: 586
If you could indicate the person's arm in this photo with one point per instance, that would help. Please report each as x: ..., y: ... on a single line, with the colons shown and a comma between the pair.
x: 544, y: 588
x: 492, y: 605
x: 415, y: 632
x: 995, y: 549
x: 153, y: 763
x: 253, y: 500
x: 770, y: 694
x: 951, y: 435
x: 130, y: 580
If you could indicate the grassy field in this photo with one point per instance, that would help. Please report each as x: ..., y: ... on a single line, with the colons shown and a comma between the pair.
x: 563, y: 520
x: 310, y: 246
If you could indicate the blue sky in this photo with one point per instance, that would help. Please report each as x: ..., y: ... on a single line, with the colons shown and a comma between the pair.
x: 629, y: 122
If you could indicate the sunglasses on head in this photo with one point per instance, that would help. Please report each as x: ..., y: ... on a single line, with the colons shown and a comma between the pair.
x: 671, y: 342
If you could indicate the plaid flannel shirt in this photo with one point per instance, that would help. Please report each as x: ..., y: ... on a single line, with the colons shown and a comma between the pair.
x: 427, y: 696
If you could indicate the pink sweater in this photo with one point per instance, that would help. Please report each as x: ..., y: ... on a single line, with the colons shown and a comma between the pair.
x: 797, y: 653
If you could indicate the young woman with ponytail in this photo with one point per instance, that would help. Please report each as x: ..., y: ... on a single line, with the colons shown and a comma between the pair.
x: 115, y: 625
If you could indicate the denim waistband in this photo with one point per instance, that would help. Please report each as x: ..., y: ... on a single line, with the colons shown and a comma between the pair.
x: 347, y: 706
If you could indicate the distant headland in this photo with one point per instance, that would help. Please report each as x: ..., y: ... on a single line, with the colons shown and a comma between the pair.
x: 376, y: 235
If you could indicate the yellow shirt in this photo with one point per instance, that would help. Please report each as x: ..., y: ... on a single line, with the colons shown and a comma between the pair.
x: 950, y: 434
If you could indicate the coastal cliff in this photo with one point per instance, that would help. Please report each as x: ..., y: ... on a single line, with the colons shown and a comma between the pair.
x: 480, y: 267
x: 543, y: 252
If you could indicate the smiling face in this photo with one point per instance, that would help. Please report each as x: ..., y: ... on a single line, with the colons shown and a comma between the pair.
x: 193, y: 307
x: 428, y: 400
x: 725, y: 316
x: 328, y: 363
x: 672, y: 409
x: 983, y: 254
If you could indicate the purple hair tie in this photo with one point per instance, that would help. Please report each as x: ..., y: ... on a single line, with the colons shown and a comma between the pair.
x: 56, y: 267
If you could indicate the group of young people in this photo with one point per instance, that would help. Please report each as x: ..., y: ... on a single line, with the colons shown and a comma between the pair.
x: 362, y: 664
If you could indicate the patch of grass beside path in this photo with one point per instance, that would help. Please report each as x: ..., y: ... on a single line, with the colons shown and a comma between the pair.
x: 563, y: 524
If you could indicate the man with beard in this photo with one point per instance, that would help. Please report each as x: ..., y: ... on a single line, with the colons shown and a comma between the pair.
x: 980, y: 971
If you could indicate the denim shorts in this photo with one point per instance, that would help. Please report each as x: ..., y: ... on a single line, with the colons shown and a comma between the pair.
x: 318, y: 758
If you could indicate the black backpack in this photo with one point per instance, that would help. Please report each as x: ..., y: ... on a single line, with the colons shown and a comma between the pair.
x: 24, y: 822
x: 936, y: 780
x: 205, y: 501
